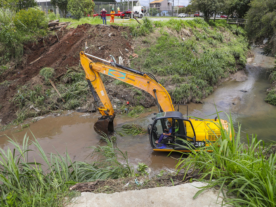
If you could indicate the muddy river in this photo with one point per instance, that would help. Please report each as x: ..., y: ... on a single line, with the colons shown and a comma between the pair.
x: 73, y: 132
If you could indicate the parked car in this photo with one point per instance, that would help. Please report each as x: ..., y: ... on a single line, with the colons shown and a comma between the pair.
x: 223, y: 16
x: 196, y: 15
x: 182, y: 15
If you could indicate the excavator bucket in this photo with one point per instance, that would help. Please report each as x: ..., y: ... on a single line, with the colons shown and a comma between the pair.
x: 104, y: 126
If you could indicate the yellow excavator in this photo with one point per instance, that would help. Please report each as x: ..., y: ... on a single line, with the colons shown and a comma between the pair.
x: 180, y: 132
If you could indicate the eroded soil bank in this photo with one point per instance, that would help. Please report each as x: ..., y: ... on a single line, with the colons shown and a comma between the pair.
x: 60, y: 52
x: 199, y: 57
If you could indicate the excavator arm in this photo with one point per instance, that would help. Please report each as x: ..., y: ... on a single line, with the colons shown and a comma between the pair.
x: 136, y: 78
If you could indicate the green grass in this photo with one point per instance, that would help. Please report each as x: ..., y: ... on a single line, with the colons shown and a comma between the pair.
x: 242, y: 171
x: 85, y: 20
x: 25, y: 182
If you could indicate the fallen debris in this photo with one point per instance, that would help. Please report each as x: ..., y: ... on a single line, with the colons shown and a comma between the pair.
x: 56, y: 90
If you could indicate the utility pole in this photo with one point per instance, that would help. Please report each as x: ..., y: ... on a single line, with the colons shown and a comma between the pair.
x: 173, y: 8
x: 178, y: 8
x: 149, y: 8
x: 132, y: 11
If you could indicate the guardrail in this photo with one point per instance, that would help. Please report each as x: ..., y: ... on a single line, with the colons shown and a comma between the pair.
x: 236, y: 21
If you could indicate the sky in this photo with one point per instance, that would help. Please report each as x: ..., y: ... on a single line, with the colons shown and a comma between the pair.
x: 181, y: 2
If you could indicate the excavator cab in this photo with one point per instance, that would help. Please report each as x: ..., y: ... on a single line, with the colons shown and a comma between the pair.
x: 182, y: 133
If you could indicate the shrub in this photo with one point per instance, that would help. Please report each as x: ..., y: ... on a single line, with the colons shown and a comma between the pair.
x: 144, y: 29
x: 31, y: 20
x: 6, y: 16
x: 80, y: 8
x: 10, y: 43
x: 272, y: 76
x: 47, y: 73
x: 271, y: 97
x: 52, y: 16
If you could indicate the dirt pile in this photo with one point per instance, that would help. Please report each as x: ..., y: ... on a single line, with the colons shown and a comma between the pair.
x: 61, y: 51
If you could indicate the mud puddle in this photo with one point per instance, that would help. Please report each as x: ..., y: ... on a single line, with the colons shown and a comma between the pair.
x: 74, y: 133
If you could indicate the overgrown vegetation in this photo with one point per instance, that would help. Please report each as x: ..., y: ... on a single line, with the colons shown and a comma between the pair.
x: 47, y: 73
x: 25, y: 182
x: 244, y: 172
x: 17, y: 28
x: 73, y: 89
x: 196, y: 63
x: 80, y: 8
x: 271, y: 96
x: 132, y: 129
x: 261, y: 23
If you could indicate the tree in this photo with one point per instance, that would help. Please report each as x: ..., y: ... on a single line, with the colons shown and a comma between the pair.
x: 62, y: 5
x: 238, y: 7
x: 80, y: 8
x: 261, y: 22
x: 153, y: 11
x: 190, y: 9
x: 207, y: 7
x: 24, y: 4
x: 17, y: 5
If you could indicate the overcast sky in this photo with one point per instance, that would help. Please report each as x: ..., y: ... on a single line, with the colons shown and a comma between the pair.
x: 181, y: 2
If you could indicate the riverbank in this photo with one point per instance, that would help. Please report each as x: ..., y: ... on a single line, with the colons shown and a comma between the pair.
x: 271, y: 96
x: 216, y: 50
x: 58, y: 178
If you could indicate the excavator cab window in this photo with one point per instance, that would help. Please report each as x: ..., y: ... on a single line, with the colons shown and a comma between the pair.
x: 185, y: 134
x: 158, y: 128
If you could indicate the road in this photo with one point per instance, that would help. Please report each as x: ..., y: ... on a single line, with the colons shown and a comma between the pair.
x: 155, y: 19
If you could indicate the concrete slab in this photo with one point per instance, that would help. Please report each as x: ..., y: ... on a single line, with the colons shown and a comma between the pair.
x: 176, y: 196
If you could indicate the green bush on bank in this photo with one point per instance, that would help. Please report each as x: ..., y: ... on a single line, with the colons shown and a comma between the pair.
x: 207, y: 55
x: 245, y: 173
x: 271, y: 97
x: 31, y: 20
x: 17, y: 28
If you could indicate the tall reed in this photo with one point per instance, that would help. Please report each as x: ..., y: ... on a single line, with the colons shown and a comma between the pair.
x: 238, y: 168
x: 25, y: 183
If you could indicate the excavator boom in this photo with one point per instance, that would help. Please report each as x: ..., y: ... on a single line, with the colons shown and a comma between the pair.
x: 133, y: 77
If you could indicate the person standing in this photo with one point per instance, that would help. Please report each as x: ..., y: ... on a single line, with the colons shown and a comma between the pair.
x: 103, y: 15
x: 112, y: 15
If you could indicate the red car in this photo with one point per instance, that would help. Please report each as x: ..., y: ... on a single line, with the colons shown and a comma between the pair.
x: 196, y: 15
x: 223, y: 16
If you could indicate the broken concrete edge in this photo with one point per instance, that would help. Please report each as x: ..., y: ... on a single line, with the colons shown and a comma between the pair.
x: 177, y: 196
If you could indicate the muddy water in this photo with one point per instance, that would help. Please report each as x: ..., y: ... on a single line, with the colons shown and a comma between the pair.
x: 74, y: 133
x: 245, y: 100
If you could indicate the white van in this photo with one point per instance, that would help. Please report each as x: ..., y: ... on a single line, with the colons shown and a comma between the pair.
x: 139, y: 11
